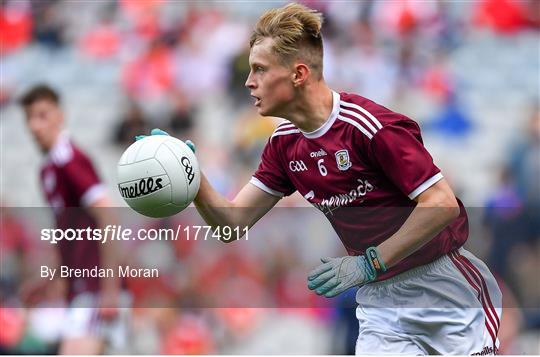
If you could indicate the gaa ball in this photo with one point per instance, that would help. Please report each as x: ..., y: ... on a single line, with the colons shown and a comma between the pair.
x: 158, y: 176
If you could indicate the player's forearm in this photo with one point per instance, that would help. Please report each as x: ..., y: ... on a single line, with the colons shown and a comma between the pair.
x: 215, y: 209
x: 424, y: 223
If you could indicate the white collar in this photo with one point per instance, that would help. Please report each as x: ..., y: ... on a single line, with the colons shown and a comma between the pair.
x: 320, y: 131
x: 60, y: 152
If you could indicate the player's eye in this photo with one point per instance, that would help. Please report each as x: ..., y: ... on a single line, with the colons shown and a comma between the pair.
x: 259, y: 69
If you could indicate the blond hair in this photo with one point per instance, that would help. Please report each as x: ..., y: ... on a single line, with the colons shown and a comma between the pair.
x: 296, y: 31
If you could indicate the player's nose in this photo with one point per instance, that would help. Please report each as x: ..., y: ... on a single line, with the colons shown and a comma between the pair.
x: 249, y: 82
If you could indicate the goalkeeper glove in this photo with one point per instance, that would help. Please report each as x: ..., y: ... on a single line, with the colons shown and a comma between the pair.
x: 336, y: 275
x: 161, y: 132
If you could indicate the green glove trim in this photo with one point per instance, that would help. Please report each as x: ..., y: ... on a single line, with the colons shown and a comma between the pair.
x: 374, y: 259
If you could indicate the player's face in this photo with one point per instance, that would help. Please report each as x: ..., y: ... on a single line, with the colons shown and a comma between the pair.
x: 44, y: 119
x: 269, y: 81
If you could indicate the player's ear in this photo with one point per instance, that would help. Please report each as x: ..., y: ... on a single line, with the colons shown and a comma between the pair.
x: 300, y: 74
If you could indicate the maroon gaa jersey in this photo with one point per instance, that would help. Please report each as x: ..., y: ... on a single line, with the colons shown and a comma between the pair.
x: 70, y: 184
x: 363, y: 169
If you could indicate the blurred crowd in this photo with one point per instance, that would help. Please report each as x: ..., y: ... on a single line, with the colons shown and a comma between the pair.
x: 181, y: 66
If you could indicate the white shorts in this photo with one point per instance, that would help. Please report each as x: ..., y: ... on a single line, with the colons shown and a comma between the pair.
x: 452, y: 305
x: 83, y: 319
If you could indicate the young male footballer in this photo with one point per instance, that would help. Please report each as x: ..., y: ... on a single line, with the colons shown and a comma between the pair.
x: 77, y: 198
x: 367, y: 169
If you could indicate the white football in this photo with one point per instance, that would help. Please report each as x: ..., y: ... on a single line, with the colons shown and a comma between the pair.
x: 158, y: 176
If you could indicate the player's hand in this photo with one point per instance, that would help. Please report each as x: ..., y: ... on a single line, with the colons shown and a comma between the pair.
x: 157, y: 131
x: 336, y: 275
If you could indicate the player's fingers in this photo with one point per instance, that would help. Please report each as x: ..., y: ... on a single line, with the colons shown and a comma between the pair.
x: 319, y: 270
x: 335, y: 291
x: 321, y: 279
x: 329, y: 285
x: 191, y: 145
x: 158, y: 131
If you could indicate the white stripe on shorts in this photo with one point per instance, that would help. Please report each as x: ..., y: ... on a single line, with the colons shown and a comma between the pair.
x: 475, y: 279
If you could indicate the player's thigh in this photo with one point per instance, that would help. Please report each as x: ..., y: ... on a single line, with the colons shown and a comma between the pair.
x: 379, y: 333
x: 378, y: 342
x: 444, y: 331
x: 460, y: 312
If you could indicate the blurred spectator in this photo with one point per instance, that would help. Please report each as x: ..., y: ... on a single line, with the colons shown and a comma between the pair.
x: 532, y: 13
x: 346, y: 323
x: 182, y: 117
x: 239, y: 71
x: 49, y: 26
x: 190, y: 335
x: 451, y: 120
x: 132, y: 124
x: 5, y: 94
x: 206, y: 50
x: 15, y: 26
x: 503, y: 16
x: 504, y: 221
x: 251, y: 133
x: 437, y: 81
x: 12, y: 321
x: 402, y: 18
x: 409, y: 65
x: 102, y: 41
x: 368, y: 69
x: 512, y: 321
x: 20, y: 254
x: 150, y: 75
x: 522, y: 276
x: 144, y: 16
x: 525, y: 166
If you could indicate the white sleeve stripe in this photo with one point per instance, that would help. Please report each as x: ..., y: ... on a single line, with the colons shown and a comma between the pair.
x: 361, y: 118
x: 93, y: 194
x: 285, y: 123
x: 369, y: 115
x: 285, y: 132
x: 285, y: 127
x: 257, y: 183
x: 357, y: 125
x: 427, y: 184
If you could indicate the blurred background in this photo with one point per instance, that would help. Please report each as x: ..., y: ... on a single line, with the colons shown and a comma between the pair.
x: 468, y: 72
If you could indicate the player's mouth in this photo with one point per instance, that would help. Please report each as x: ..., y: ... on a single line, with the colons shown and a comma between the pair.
x: 257, y: 100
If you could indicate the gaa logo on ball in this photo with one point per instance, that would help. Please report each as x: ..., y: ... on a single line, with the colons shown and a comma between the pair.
x: 158, y: 176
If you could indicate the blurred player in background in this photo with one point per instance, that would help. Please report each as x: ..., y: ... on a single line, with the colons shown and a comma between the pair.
x: 343, y: 151
x: 78, y: 199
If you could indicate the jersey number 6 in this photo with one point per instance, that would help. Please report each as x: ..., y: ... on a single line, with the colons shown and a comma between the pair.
x: 322, y: 169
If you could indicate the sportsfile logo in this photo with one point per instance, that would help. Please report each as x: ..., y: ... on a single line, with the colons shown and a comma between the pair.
x: 142, y: 188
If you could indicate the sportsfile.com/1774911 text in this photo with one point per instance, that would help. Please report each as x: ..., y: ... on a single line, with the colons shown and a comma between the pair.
x: 119, y: 233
